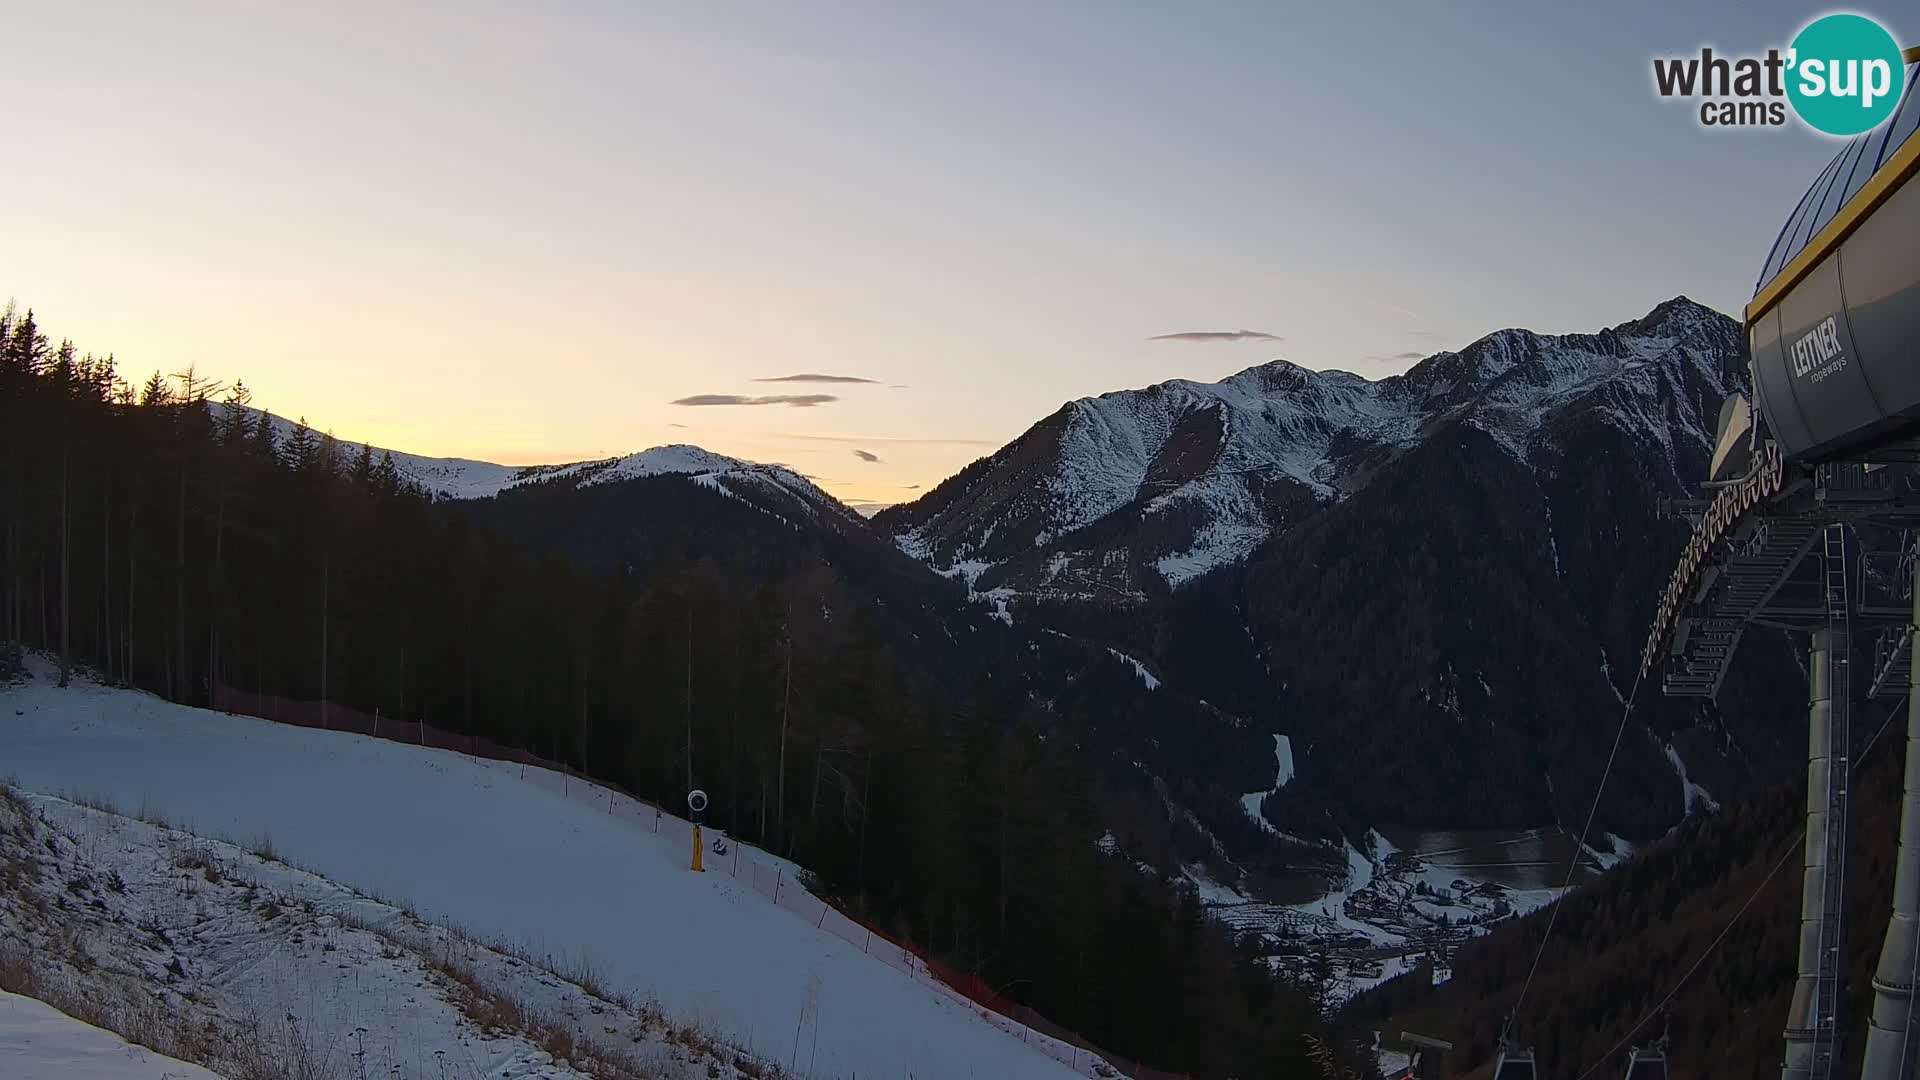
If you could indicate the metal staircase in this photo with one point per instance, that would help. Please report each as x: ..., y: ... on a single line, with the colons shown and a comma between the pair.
x: 1826, y: 1018
x: 1893, y: 663
x: 1734, y: 592
x: 1893, y: 650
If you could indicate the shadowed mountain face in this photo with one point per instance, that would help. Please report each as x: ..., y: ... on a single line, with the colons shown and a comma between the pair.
x: 1436, y: 584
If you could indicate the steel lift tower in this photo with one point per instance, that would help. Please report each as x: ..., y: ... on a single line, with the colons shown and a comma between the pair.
x: 1812, y: 525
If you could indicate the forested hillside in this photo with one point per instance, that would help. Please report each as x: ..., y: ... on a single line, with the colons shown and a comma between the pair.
x: 1433, y: 583
x: 170, y: 543
x: 1622, y: 945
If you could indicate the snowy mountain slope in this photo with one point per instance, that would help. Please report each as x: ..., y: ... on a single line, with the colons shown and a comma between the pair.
x: 513, y: 861
x: 250, y: 966
x: 1133, y: 491
x: 39, y: 1042
x: 462, y: 478
x: 1417, y: 579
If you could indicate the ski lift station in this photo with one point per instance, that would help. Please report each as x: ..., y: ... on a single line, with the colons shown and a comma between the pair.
x: 1810, y: 522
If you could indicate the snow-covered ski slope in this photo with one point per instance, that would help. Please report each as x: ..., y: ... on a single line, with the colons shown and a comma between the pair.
x: 513, y: 860
x: 39, y: 1042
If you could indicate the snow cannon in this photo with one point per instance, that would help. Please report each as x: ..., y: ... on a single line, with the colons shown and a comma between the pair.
x: 697, y: 806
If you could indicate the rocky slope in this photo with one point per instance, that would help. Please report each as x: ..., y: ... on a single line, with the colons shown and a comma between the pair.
x: 1434, y: 584
x: 1131, y: 492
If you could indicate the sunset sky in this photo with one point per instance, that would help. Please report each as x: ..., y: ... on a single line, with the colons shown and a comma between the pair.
x: 471, y: 230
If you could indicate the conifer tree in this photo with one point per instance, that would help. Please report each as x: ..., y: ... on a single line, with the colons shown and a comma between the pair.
x: 182, y: 548
x: 300, y: 450
x: 263, y: 443
x: 387, y: 476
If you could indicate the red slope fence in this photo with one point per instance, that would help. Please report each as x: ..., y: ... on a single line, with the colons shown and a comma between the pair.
x: 772, y: 879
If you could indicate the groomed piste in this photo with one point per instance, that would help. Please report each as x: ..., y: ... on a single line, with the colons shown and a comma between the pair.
x: 513, y: 860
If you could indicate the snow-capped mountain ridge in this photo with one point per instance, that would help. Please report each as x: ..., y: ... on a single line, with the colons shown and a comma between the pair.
x: 1195, y: 475
x: 464, y: 478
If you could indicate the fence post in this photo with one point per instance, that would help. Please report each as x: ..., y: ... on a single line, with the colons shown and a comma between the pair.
x: 376, y: 721
x: 867, y: 944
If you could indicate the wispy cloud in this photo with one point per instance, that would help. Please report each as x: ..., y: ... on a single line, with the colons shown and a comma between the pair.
x: 891, y: 440
x: 677, y: 425
x: 798, y: 401
x: 1389, y: 358
x: 865, y: 455
x: 1434, y: 336
x: 816, y: 377
x: 1217, y: 335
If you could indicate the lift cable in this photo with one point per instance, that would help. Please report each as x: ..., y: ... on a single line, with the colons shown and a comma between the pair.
x: 1792, y: 847
x: 1579, y: 849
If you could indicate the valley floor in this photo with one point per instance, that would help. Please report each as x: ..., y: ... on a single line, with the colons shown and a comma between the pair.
x: 1397, y: 907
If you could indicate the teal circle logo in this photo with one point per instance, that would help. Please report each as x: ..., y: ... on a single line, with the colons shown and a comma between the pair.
x: 1844, y: 74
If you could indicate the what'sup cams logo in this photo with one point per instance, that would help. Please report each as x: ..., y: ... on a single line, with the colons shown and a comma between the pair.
x: 1842, y: 75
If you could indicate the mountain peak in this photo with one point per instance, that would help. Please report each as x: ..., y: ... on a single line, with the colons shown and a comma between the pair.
x: 1274, y: 374
x: 1277, y: 365
x: 1675, y: 318
x: 1137, y: 490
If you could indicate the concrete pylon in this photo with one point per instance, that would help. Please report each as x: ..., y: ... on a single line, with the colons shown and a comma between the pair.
x: 1891, y: 1051
x: 1802, y: 1032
